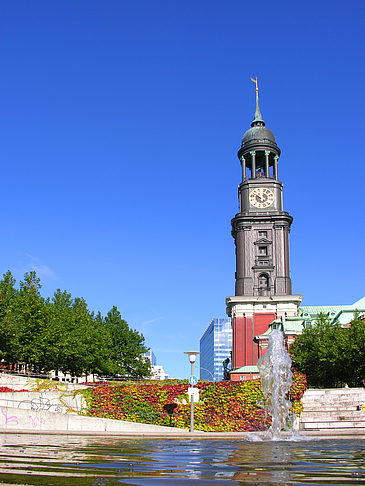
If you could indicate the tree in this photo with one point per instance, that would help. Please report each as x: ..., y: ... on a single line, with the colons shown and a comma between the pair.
x: 354, y: 351
x: 62, y: 334
x: 74, y: 340
x: 127, y: 347
x: 55, y: 332
x: 331, y: 355
x: 103, y: 361
x: 25, y: 318
x: 7, y: 329
x: 90, y: 342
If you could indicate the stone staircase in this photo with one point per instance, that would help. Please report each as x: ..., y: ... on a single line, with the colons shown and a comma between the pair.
x: 333, y: 411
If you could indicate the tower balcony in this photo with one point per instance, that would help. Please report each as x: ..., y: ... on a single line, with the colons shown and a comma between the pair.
x: 263, y: 263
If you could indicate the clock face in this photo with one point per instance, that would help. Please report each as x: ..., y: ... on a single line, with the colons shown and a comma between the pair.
x: 261, y: 197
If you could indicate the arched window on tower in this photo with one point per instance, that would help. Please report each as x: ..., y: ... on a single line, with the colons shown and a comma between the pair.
x: 264, y: 284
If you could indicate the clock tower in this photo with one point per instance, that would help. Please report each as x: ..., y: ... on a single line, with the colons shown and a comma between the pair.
x: 263, y: 290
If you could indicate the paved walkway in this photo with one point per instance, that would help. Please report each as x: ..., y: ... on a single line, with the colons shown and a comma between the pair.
x: 185, y: 434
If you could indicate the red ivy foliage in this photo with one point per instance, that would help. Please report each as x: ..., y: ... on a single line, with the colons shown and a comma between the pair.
x: 6, y: 389
x: 223, y: 406
x: 299, y: 386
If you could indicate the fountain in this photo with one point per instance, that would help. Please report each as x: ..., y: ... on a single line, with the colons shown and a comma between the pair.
x: 276, y: 380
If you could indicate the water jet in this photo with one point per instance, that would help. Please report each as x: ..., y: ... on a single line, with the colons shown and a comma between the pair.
x: 276, y: 379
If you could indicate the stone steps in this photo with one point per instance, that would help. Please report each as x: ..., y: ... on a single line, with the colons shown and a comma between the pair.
x: 335, y: 409
x: 328, y: 415
x: 313, y: 407
x: 334, y: 402
x: 338, y: 399
x: 332, y: 425
x: 336, y: 392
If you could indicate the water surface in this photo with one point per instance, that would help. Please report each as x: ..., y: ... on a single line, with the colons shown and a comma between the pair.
x: 77, y: 461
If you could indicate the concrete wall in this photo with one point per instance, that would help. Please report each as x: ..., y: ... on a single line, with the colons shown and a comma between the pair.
x: 40, y: 420
x: 50, y: 401
x: 57, y: 411
x: 26, y: 383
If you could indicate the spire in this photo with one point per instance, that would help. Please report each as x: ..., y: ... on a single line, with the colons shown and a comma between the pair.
x: 258, y: 121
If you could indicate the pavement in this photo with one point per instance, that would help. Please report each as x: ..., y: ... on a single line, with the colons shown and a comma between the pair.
x: 186, y: 434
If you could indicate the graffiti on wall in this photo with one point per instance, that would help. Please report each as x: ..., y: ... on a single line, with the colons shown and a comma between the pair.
x: 9, y: 420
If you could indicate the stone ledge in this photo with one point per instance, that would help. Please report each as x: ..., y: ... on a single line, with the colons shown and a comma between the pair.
x: 43, y: 421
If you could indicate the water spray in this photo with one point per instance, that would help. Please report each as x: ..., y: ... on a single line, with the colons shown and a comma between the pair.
x: 276, y: 379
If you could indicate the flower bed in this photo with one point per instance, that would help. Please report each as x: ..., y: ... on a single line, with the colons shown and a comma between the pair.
x: 223, y: 406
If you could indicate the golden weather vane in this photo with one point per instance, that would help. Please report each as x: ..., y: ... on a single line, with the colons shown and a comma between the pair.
x: 255, y: 81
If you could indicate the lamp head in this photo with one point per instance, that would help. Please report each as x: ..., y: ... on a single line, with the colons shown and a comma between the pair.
x: 192, y: 355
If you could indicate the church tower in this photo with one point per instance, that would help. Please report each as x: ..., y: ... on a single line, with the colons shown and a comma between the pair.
x: 263, y: 290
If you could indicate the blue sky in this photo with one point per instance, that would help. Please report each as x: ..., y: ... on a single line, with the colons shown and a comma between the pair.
x: 120, y: 123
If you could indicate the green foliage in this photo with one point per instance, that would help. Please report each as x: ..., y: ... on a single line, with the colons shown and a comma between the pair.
x: 8, y: 336
x: 27, y: 318
x: 127, y: 347
x: 353, y: 346
x: 41, y: 385
x: 224, y: 406
x: 57, y: 333
x: 62, y: 334
x: 331, y: 355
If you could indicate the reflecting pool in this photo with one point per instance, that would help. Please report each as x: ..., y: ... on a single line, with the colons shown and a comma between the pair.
x: 99, y: 461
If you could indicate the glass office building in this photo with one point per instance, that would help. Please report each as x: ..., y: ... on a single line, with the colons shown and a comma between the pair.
x: 215, y: 347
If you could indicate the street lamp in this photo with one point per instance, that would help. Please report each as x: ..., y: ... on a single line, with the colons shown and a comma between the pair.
x: 211, y: 374
x: 192, y: 358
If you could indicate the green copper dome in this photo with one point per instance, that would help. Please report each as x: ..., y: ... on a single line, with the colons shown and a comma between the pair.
x: 258, y: 137
x: 258, y: 133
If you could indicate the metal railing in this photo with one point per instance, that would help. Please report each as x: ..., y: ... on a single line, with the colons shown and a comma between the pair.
x: 27, y: 374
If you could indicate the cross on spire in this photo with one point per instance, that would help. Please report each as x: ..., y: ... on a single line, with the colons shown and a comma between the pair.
x: 258, y: 116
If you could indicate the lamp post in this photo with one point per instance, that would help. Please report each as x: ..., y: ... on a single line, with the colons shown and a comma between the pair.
x: 192, y: 358
x: 211, y: 374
